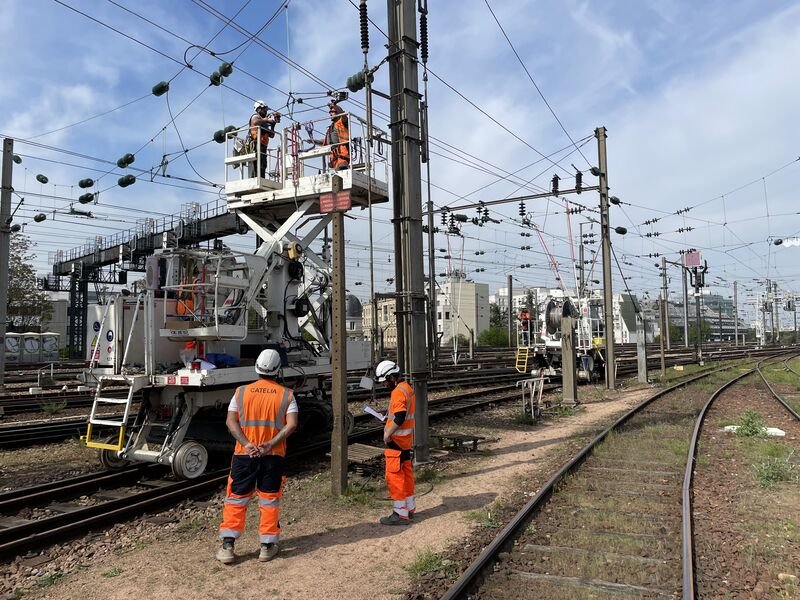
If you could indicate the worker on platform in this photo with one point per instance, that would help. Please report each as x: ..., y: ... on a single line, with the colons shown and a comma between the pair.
x: 261, y: 416
x: 398, y: 437
x: 525, y: 326
x: 262, y: 126
x: 337, y: 136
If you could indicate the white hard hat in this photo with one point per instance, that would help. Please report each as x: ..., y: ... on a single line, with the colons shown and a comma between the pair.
x: 259, y: 104
x: 386, y: 368
x: 268, y: 363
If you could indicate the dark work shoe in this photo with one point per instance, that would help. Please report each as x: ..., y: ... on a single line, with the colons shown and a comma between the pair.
x: 411, y: 515
x: 394, y: 519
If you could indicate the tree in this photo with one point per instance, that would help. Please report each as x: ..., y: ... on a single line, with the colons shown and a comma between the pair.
x: 27, y: 305
x: 497, y: 317
x: 494, y: 336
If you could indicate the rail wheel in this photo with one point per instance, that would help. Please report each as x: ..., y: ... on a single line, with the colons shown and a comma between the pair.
x: 110, y: 459
x: 190, y: 460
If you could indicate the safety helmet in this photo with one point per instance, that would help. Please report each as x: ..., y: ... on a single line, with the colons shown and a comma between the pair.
x: 259, y: 104
x: 335, y: 108
x: 268, y: 363
x: 386, y: 368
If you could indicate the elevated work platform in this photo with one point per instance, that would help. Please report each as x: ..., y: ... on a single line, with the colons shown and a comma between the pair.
x: 280, y: 179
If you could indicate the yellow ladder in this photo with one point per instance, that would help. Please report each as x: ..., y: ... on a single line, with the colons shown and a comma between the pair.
x: 522, y: 359
x: 117, y: 421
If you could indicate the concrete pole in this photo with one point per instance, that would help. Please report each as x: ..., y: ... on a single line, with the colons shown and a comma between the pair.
x: 661, y: 321
x: 666, y: 298
x: 432, y: 320
x: 407, y: 193
x: 699, y: 342
x: 5, y: 248
x: 608, y: 295
x: 720, y: 319
x: 339, y: 362
x: 685, y: 307
x: 581, y: 266
x: 512, y: 339
x: 776, y: 316
x: 764, y: 322
x: 569, y: 385
x: 641, y: 347
x: 735, y: 313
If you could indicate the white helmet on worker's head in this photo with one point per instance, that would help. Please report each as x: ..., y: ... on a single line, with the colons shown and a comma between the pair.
x: 386, y: 368
x: 268, y: 363
x: 259, y: 104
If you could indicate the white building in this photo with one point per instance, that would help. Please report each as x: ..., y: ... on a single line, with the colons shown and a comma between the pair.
x: 462, y: 306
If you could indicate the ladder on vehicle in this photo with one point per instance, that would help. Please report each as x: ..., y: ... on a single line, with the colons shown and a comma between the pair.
x: 522, y: 359
x: 134, y: 384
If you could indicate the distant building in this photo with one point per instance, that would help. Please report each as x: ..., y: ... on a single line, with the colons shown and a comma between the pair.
x: 462, y: 306
x: 386, y: 325
x: 354, y: 317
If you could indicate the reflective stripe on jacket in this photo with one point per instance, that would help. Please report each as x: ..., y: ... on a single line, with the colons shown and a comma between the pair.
x: 262, y: 413
x: 402, y: 399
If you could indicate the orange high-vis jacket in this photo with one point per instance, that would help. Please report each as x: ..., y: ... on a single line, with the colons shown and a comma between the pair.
x: 402, y: 399
x: 256, y: 129
x: 339, y: 134
x: 262, y: 413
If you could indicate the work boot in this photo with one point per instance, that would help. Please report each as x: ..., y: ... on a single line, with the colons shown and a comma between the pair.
x: 411, y: 515
x: 268, y: 552
x: 394, y: 519
x: 225, y: 554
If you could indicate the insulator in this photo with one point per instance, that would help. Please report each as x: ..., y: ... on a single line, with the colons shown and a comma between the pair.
x: 16, y: 228
x: 225, y: 69
x: 219, y: 136
x: 364, y: 22
x: 40, y: 217
x: 614, y: 200
x: 215, y: 78
x: 357, y: 81
x: 578, y: 182
x: 522, y: 210
x: 86, y: 198
x: 86, y: 183
x: 230, y: 128
x: 42, y: 178
x: 554, y: 181
x: 461, y: 218
x: 17, y: 159
x: 126, y: 160
x: 126, y: 180
x: 423, y: 37
x: 161, y: 88
x: 444, y: 219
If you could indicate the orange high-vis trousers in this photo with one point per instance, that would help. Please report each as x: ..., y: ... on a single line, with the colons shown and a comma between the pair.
x: 400, y: 482
x: 262, y: 475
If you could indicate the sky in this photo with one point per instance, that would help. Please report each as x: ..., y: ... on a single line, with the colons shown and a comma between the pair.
x: 698, y: 100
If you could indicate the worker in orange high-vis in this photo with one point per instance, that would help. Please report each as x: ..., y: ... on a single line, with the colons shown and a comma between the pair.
x: 337, y: 136
x: 262, y: 128
x: 261, y: 416
x: 398, y: 437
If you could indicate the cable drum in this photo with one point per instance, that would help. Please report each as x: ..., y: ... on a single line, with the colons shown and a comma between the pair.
x: 552, y: 317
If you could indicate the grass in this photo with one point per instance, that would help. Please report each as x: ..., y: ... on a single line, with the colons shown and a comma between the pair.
x: 359, y: 494
x: 54, y: 407
x: 427, y: 561
x: 773, y: 470
x: 46, y: 581
x: 487, y: 517
x: 193, y: 524
x: 751, y: 425
x: 113, y: 572
x: 427, y: 475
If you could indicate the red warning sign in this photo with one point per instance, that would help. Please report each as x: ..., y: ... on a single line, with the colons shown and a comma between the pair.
x: 338, y: 202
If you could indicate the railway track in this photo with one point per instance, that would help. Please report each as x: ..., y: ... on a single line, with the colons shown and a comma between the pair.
x: 132, y: 491
x: 628, y: 493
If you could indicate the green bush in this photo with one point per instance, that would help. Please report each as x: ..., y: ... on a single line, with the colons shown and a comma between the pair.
x: 751, y: 425
x: 494, y: 336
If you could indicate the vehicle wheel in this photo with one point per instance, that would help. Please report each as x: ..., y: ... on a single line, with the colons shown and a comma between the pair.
x: 110, y: 459
x: 190, y: 460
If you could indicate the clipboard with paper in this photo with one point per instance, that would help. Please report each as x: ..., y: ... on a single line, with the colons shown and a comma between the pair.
x: 371, y: 411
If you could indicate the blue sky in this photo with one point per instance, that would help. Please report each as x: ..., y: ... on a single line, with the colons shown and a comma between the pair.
x: 698, y: 99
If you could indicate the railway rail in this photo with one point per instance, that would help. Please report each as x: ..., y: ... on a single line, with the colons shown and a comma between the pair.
x: 625, y: 493
x: 144, y: 490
